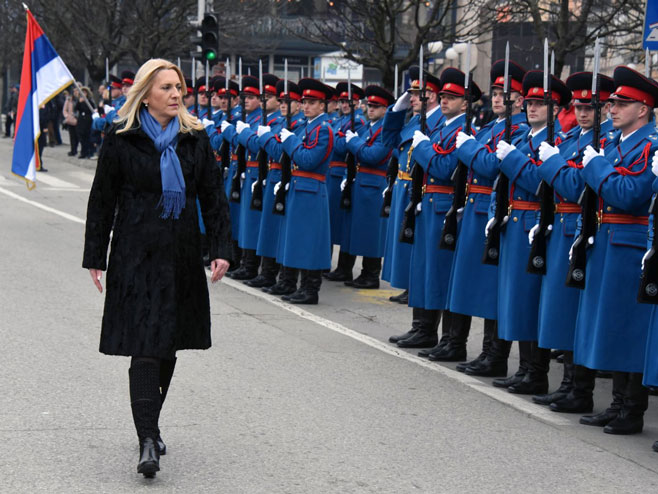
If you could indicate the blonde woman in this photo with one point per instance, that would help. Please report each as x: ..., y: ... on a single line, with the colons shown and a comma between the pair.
x: 155, y: 160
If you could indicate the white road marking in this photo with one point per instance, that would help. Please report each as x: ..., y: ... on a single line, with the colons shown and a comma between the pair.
x: 55, y: 182
x: 513, y: 401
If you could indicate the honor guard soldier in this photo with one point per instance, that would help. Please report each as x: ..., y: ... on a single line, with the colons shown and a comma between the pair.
x: 307, y: 232
x: 215, y: 104
x: 268, y: 228
x: 430, y: 267
x: 518, y: 290
x: 364, y: 229
x: 202, y: 95
x: 337, y: 173
x: 99, y: 124
x: 397, y: 255
x: 269, y: 237
x: 188, y: 97
x: 474, y: 285
x: 398, y: 133
x: 561, y: 168
x: 612, y: 327
x: 332, y: 107
x: 249, y: 218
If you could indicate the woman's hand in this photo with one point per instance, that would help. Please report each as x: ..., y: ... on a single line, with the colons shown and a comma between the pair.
x: 219, y: 268
x: 96, y: 275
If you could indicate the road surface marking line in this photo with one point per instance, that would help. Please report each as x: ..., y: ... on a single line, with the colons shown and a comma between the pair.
x: 67, y: 216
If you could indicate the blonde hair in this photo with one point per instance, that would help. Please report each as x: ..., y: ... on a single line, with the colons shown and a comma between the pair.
x: 144, y: 78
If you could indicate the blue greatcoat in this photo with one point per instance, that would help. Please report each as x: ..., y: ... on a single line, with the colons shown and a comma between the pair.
x: 518, y: 291
x: 429, y: 273
x: 98, y: 124
x: 216, y: 139
x: 474, y: 285
x: 270, y: 223
x: 307, y: 231
x: 612, y: 327
x: 337, y: 170
x: 650, y: 361
x: 397, y: 134
x: 249, y: 218
x: 563, y: 172
x: 364, y: 231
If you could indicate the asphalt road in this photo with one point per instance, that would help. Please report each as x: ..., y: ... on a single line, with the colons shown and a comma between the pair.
x: 288, y: 400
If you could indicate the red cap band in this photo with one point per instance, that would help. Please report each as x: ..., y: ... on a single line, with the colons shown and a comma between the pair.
x: 346, y: 95
x: 127, y: 82
x: 251, y: 90
x: 428, y: 85
x: 293, y: 96
x: 538, y: 93
x: 190, y: 90
x: 586, y: 94
x: 377, y: 100
x: 514, y: 84
x: 222, y: 92
x: 634, y: 94
x: 270, y: 89
x: 202, y: 89
x: 313, y: 94
x: 452, y: 88
x: 116, y: 85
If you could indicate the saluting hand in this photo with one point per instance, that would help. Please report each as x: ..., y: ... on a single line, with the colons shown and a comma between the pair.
x: 403, y: 102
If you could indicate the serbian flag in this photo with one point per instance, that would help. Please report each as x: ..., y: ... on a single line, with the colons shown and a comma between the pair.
x: 43, y: 76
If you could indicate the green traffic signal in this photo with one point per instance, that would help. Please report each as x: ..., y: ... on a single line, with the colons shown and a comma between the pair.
x: 210, y: 37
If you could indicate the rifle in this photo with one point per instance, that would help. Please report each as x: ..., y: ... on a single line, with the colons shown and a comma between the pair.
x: 460, y: 175
x: 537, y: 259
x: 648, y: 292
x: 391, y: 169
x: 588, y: 199
x: 263, y: 165
x: 501, y: 185
x: 407, y: 232
x: 109, y: 83
x: 350, y: 159
x: 196, y: 89
x: 241, y: 151
x: 208, y: 93
x: 286, y: 163
x: 225, y: 148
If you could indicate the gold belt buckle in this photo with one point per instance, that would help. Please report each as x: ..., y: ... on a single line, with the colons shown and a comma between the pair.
x: 424, y: 188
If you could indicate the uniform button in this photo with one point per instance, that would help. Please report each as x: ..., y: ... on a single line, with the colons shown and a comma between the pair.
x: 401, y: 148
x: 518, y: 198
x: 430, y: 199
x: 475, y: 180
x: 432, y: 180
x: 515, y: 219
x: 609, y: 208
x: 529, y: 155
x: 561, y: 220
x: 471, y: 200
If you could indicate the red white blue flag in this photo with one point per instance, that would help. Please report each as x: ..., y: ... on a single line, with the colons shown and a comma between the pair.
x: 43, y: 76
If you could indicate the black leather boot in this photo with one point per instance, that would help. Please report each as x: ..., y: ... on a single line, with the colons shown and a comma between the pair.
x: 455, y: 350
x: 565, y: 385
x: 426, y: 336
x: 249, y: 270
x: 580, y: 397
x: 310, y: 287
x: 445, y: 335
x: 166, y: 373
x: 489, y: 329
x: 619, y: 382
x: 525, y: 355
x: 369, y: 277
x: 145, y: 402
x: 267, y: 276
x: 287, y: 283
x: 401, y: 298
x: 343, y: 271
x: 635, y: 402
x: 236, y: 256
x: 535, y: 382
x: 495, y: 363
x: 415, y: 324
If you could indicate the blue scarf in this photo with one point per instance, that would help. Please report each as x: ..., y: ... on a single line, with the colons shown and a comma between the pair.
x: 173, y: 183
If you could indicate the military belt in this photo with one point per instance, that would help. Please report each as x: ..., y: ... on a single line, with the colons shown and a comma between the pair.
x: 371, y: 171
x: 624, y: 219
x: 316, y: 176
x: 567, y: 207
x: 440, y: 189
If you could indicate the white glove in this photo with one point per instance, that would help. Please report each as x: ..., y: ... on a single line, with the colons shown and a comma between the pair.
x: 546, y: 151
x: 654, y: 163
x: 343, y: 183
x: 284, y: 134
x: 206, y: 122
x: 487, y: 228
x: 240, y: 126
x: 263, y: 129
x: 462, y: 137
x: 589, y: 154
x: 276, y: 187
x: 349, y: 135
x: 533, y: 232
x: 419, y: 207
x: 503, y: 149
x: 287, y: 186
x: 403, y: 102
x: 224, y: 125
x: 418, y: 138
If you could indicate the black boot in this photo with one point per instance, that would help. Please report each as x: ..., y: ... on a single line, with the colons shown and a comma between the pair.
x: 401, y: 298
x: 495, y: 363
x: 426, y: 336
x: 343, y: 271
x: 371, y: 267
x: 166, y: 373
x: 310, y: 287
x: 237, y: 257
x: 525, y: 355
x: 445, y: 320
x: 565, y: 386
x: 415, y: 324
x: 635, y: 402
x: 619, y: 382
x: 287, y: 283
x: 249, y: 270
x: 489, y: 329
x: 580, y: 397
x: 145, y: 402
x: 267, y: 276
x: 455, y: 351
x: 535, y: 382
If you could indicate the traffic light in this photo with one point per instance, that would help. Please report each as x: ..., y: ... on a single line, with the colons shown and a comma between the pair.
x: 210, y: 38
